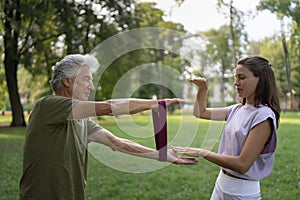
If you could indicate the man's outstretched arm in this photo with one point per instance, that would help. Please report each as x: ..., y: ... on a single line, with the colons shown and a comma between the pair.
x: 115, y: 107
x: 105, y: 137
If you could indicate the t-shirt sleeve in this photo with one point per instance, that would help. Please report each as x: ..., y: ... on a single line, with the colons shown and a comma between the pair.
x: 230, y: 109
x: 262, y: 115
x: 56, y: 109
x: 93, y: 126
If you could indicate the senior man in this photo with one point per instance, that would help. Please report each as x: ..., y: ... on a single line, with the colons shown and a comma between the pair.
x: 59, y: 129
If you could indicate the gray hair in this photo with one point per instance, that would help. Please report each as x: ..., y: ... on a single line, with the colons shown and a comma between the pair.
x: 69, y: 67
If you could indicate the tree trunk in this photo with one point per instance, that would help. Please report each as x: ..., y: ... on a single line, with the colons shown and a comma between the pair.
x: 12, y: 22
x: 222, y: 83
x: 232, y: 35
x: 287, y: 65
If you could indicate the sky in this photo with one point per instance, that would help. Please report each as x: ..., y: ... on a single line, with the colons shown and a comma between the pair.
x: 202, y: 15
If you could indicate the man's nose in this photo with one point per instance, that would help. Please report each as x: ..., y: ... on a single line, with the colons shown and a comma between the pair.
x: 91, y: 86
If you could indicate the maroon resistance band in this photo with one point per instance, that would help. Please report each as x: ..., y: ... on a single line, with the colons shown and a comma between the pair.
x: 160, y: 129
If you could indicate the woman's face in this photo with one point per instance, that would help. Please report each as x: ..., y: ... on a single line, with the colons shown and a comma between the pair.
x: 245, y: 83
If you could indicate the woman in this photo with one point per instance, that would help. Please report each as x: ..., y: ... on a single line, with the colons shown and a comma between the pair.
x: 248, y: 143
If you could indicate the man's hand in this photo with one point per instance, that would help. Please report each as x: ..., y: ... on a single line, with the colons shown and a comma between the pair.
x: 172, y: 157
x: 173, y: 101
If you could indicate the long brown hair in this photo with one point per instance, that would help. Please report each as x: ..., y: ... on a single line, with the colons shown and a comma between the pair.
x: 266, y: 92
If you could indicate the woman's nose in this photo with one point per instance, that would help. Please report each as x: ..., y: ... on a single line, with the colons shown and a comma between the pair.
x: 236, y: 82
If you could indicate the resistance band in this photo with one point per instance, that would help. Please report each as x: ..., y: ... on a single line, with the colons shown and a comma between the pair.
x: 160, y: 129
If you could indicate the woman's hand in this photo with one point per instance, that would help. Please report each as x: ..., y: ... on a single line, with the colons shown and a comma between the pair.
x: 202, y: 83
x: 189, y: 151
x: 172, y: 157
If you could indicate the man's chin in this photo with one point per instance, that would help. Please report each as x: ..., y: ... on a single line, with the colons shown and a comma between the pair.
x: 84, y: 99
x: 81, y: 98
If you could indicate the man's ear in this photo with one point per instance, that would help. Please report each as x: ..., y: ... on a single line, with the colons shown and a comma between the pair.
x: 66, y: 81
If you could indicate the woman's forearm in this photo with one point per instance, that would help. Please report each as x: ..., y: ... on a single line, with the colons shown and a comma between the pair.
x: 200, y: 104
x: 229, y: 162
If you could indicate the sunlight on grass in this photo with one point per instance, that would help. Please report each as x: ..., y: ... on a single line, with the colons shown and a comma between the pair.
x: 6, y: 119
x: 11, y: 136
x: 289, y: 121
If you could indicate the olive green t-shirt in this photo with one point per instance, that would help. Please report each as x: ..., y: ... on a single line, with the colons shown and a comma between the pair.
x: 55, y: 151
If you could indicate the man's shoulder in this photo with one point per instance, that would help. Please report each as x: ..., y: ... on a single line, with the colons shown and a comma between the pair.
x: 52, y: 102
x: 53, y: 98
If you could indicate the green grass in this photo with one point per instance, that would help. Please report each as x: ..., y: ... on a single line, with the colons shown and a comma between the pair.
x: 171, y: 182
x: 11, y: 144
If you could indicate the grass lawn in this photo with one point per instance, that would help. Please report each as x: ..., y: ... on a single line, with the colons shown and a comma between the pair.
x: 170, y: 182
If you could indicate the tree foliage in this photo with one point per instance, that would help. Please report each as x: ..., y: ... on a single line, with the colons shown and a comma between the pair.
x: 37, y: 34
x: 271, y: 48
x: 145, y: 15
x: 290, y: 39
x: 226, y: 44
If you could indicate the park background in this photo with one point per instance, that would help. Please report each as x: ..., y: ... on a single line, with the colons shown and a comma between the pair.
x: 37, y: 34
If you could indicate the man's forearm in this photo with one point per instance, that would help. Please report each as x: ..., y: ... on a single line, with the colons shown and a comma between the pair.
x: 131, y: 106
x: 132, y: 148
x: 85, y: 109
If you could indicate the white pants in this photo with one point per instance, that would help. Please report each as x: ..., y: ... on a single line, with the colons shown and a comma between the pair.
x: 229, y: 188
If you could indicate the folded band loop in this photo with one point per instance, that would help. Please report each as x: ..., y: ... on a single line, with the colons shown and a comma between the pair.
x: 160, y: 129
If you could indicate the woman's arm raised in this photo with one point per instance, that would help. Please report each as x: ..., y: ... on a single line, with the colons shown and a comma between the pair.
x: 200, y: 109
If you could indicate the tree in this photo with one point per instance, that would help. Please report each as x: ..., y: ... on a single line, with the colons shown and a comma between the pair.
x: 3, y: 91
x: 149, y: 16
x: 238, y: 36
x: 12, y: 24
x: 145, y: 15
x: 37, y: 33
x: 295, y: 59
x: 271, y: 48
x: 219, y: 53
x: 226, y: 44
x: 289, y: 9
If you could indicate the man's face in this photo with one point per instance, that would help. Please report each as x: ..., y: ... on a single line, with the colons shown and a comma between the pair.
x: 82, y: 84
